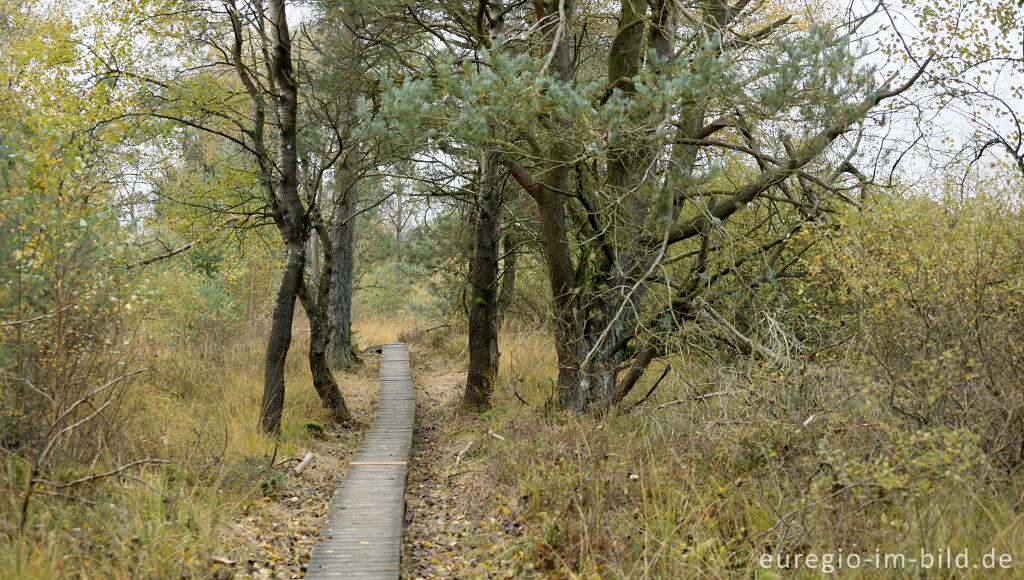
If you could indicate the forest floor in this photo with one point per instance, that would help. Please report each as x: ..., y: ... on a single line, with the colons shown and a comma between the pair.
x: 279, y: 530
x: 447, y: 521
x: 450, y: 531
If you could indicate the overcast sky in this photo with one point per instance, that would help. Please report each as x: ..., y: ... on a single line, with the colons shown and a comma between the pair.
x: 940, y: 133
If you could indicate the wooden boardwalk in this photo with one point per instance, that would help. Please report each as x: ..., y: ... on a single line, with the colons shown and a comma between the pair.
x: 362, y: 537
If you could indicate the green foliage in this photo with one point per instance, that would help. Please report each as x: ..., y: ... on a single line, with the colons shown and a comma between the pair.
x: 63, y: 296
x: 731, y: 461
x: 936, y: 287
x: 390, y: 288
x: 209, y: 297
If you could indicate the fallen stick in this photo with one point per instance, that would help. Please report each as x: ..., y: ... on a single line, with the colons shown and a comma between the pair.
x: 303, y: 464
x: 218, y: 559
x: 460, y: 454
x: 495, y: 435
x: 697, y: 398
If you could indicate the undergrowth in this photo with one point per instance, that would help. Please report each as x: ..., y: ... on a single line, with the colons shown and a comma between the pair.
x: 726, y: 464
x: 887, y: 432
x: 196, y: 409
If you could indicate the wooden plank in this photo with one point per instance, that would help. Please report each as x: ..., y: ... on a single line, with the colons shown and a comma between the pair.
x: 362, y: 536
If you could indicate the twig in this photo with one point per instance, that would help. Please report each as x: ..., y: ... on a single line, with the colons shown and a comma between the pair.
x: 36, y: 319
x: 53, y: 437
x: 273, y: 456
x: 654, y: 386
x: 742, y: 342
x: 106, y: 474
x: 169, y: 254
x: 495, y: 435
x: 792, y: 513
x: 697, y: 398
x: 521, y: 399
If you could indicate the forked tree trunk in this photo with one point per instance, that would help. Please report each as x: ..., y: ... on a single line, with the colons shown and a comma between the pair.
x: 483, y: 311
x: 323, y: 381
x: 292, y: 219
x: 587, y: 313
x: 281, y: 337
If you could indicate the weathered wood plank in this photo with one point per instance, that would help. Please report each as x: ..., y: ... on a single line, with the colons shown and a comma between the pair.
x: 362, y: 537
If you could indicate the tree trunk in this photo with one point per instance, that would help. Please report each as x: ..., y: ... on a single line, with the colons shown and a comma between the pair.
x: 293, y: 221
x: 593, y: 301
x: 313, y: 260
x: 340, y: 352
x: 323, y: 380
x: 342, y: 240
x: 508, y: 271
x: 483, y: 313
x: 281, y: 338
x: 574, y: 388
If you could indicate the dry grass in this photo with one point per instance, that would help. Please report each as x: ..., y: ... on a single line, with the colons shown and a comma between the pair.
x: 787, y: 463
x: 197, y: 408
x: 374, y: 330
x: 683, y: 486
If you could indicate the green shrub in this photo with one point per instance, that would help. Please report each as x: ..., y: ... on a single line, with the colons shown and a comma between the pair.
x: 64, y: 302
x: 937, y: 288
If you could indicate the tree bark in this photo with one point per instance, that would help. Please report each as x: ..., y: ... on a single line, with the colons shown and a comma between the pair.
x: 323, y: 380
x: 586, y: 330
x: 342, y: 241
x: 293, y: 221
x: 510, y: 261
x: 340, y: 352
x: 570, y: 342
x: 483, y: 312
x: 281, y: 338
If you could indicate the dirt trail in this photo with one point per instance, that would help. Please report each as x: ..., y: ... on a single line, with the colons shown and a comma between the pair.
x: 449, y: 514
x: 446, y: 517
